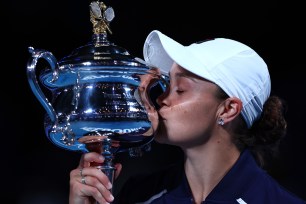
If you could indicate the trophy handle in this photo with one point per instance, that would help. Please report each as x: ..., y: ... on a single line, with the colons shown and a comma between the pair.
x: 32, y: 79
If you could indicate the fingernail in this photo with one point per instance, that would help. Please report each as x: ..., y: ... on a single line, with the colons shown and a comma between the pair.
x: 109, y: 186
x: 111, y: 197
x: 101, y: 157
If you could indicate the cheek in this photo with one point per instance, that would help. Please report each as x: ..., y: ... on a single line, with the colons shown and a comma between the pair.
x: 186, y: 120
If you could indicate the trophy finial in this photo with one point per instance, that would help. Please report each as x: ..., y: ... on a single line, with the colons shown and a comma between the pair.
x: 101, y: 16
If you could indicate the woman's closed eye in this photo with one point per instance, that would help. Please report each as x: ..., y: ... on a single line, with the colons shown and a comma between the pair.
x: 179, y: 91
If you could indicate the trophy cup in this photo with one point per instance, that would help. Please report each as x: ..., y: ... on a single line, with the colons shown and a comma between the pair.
x: 99, y: 98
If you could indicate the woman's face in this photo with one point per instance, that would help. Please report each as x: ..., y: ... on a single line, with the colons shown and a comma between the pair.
x: 188, y: 110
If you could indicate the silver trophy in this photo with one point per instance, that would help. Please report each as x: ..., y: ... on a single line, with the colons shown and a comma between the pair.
x: 99, y: 98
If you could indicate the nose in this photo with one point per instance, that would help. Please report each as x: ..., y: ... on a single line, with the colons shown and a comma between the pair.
x: 161, y: 99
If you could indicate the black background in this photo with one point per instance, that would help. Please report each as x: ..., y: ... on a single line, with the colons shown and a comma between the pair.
x: 35, y: 171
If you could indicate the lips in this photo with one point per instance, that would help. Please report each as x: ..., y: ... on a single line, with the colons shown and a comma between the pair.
x: 160, y: 114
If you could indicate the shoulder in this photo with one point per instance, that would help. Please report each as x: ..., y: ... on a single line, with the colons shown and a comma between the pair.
x: 268, y: 190
x: 254, y: 185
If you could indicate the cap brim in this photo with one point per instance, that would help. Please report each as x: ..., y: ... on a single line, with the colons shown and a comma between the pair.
x: 161, y: 51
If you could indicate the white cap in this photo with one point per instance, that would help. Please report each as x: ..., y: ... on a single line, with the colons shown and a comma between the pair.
x: 236, y: 68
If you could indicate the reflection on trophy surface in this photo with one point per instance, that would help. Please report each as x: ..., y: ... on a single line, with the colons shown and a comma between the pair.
x: 101, y: 97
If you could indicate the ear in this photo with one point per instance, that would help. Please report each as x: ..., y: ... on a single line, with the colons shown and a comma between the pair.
x: 230, y: 109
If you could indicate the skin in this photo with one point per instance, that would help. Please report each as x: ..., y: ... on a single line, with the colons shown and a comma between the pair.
x: 188, y: 118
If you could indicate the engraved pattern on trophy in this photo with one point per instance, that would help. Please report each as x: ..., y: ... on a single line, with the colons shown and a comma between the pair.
x: 101, y: 96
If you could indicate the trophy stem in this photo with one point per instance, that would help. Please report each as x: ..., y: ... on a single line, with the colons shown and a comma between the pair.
x: 101, y: 143
x: 107, y: 167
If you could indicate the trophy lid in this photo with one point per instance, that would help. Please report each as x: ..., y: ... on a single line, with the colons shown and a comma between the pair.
x: 100, y: 51
x: 98, y: 55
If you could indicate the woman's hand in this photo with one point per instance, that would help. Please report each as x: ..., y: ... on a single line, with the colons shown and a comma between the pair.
x: 89, y: 184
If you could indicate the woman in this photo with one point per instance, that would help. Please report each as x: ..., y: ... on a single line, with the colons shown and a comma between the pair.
x: 219, y: 111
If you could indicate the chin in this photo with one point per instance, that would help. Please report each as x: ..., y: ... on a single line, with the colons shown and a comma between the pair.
x: 161, y: 139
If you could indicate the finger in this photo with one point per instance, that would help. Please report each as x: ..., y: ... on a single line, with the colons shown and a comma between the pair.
x: 81, y: 172
x: 83, y: 180
x: 99, y: 175
x: 75, y: 173
x: 80, y: 193
x: 87, y: 158
x: 97, y: 189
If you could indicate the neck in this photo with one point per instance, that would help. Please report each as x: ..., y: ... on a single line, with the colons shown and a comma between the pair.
x: 206, y: 165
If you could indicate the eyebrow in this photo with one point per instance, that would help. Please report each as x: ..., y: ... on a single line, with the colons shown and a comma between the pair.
x: 190, y: 76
